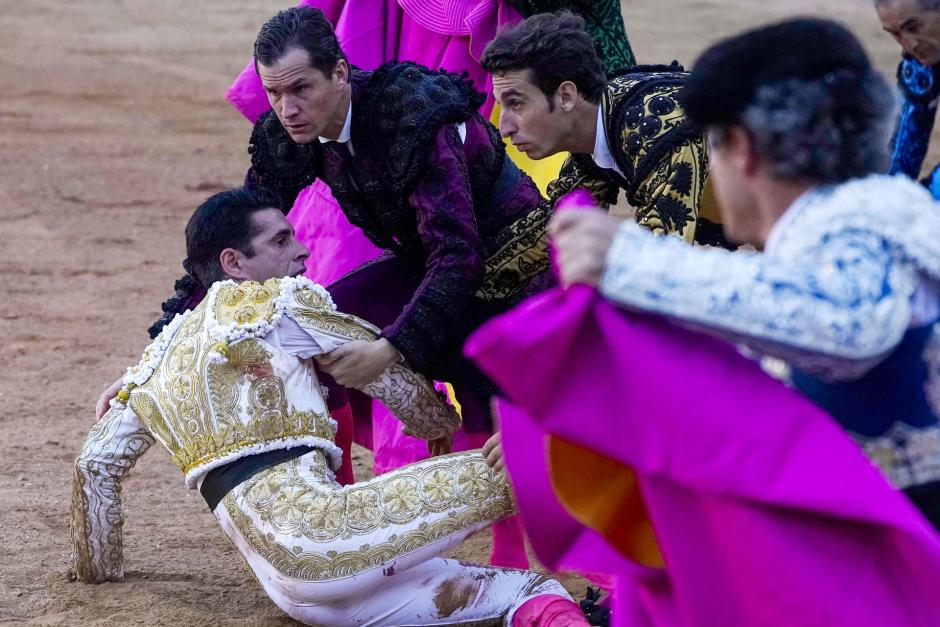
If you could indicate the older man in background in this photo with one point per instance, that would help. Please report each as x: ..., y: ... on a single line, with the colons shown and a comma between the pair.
x: 915, y: 24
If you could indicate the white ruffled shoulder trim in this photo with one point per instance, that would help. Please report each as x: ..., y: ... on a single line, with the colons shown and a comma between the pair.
x: 140, y: 373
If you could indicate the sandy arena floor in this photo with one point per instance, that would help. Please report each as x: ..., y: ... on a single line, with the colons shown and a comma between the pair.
x: 112, y: 129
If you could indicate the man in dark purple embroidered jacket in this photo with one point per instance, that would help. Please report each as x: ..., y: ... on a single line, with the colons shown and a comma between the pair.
x: 414, y: 165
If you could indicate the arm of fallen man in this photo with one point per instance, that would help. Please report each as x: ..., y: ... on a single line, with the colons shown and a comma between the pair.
x: 113, y: 446
x: 410, y: 396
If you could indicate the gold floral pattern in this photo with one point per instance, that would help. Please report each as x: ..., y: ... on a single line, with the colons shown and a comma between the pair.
x: 246, y: 303
x: 201, y: 423
x: 438, y: 488
x: 204, y: 409
x: 289, y: 507
x: 313, y: 566
x: 364, y: 511
x: 401, y: 497
x: 299, y: 520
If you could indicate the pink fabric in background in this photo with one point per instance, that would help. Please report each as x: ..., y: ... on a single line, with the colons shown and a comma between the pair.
x: 372, y: 32
x: 336, y: 247
x: 764, y: 509
x: 400, y: 449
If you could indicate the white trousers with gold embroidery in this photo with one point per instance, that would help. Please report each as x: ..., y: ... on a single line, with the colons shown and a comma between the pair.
x: 367, y: 554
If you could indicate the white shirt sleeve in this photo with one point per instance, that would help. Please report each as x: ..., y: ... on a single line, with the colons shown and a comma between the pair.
x: 291, y: 338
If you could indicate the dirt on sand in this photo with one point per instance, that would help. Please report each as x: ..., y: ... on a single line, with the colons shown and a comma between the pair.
x: 112, y: 129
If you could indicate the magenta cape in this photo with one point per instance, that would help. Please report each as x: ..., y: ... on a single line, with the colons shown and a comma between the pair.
x: 764, y: 511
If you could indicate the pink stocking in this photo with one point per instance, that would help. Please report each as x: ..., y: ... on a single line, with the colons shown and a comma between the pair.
x: 549, y: 610
x: 509, y: 544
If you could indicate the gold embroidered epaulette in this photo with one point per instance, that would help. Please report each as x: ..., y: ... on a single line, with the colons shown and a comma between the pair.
x: 645, y: 119
x: 246, y: 303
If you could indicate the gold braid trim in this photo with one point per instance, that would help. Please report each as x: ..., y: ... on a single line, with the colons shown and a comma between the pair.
x: 246, y: 303
x: 333, y: 323
x: 332, y: 565
x: 523, y: 257
x: 295, y: 500
x: 580, y: 171
x: 82, y: 567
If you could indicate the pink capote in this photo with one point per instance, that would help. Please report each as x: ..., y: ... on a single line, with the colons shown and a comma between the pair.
x: 449, y: 35
x: 765, y: 512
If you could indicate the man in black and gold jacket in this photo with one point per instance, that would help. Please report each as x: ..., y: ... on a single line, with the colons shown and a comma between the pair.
x: 627, y: 133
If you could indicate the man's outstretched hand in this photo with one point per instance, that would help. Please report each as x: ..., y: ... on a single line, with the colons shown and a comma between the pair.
x: 438, y: 446
x: 358, y: 363
x: 104, y: 401
x: 441, y: 446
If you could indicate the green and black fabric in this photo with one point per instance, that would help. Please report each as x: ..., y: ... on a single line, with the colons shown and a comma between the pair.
x: 604, y: 22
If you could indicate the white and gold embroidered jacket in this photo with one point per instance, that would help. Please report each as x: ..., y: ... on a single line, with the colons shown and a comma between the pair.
x: 233, y: 377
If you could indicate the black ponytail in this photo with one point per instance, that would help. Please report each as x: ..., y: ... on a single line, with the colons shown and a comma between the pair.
x: 189, y: 292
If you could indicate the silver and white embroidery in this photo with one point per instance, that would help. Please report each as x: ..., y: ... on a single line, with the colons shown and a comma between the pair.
x: 96, y: 522
x: 831, y: 295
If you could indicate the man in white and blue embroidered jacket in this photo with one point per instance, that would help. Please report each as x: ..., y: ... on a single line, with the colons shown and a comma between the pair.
x: 231, y: 391
x: 844, y: 286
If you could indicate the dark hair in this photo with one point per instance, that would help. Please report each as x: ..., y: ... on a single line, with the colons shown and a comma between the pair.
x: 224, y: 221
x: 188, y: 292
x: 299, y: 27
x: 806, y: 93
x: 554, y: 48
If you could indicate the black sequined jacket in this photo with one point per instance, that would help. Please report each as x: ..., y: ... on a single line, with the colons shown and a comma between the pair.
x: 663, y: 156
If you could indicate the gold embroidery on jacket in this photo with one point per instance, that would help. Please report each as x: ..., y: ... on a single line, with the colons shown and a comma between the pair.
x: 667, y: 193
x: 246, y: 303
x: 522, y: 257
x: 200, y: 423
